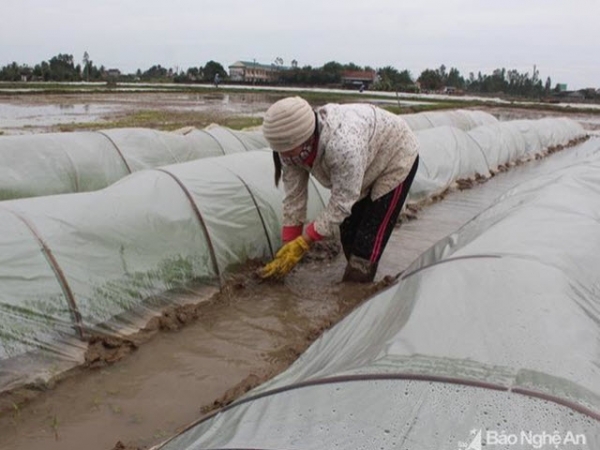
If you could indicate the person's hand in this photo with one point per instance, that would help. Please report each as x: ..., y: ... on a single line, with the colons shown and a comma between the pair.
x: 286, y: 258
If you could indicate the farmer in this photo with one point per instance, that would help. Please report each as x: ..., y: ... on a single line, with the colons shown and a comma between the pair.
x: 365, y: 155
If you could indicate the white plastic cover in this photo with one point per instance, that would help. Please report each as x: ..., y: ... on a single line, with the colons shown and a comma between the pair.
x: 492, y: 333
x: 82, y: 263
x: 99, y: 261
x: 448, y: 154
x: 463, y: 119
x: 56, y: 163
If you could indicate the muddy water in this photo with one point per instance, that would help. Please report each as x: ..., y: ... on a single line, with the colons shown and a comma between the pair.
x: 42, y: 113
x: 254, y: 333
x: 18, y: 119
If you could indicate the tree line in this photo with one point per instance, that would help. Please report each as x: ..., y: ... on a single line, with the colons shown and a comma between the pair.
x: 501, y: 81
x: 63, y: 67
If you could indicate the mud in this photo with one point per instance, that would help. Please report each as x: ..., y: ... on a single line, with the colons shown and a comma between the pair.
x: 120, y: 446
x: 107, y: 350
x: 229, y: 342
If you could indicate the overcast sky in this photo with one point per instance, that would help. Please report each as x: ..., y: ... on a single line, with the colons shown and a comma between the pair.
x: 560, y: 37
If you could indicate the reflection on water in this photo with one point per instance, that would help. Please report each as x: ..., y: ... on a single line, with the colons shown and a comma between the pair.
x: 24, y: 114
x: 23, y: 118
x: 34, y: 114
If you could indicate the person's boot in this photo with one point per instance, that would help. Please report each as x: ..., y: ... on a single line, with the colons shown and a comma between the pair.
x: 359, y: 270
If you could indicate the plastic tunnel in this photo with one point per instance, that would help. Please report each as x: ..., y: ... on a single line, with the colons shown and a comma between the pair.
x: 98, y: 262
x: 463, y: 119
x: 494, y: 332
x: 56, y: 163
x: 448, y: 154
x: 84, y: 263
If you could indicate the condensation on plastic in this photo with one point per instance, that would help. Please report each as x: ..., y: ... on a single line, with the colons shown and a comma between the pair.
x: 98, y: 261
x: 495, y: 328
x: 57, y: 163
x: 385, y: 414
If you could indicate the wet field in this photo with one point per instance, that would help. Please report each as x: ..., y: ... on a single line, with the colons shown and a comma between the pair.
x: 26, y: 114
x: 245, y: 334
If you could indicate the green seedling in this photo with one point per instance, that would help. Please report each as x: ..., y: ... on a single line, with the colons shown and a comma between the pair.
x: 54, y: 425
x: 16, y: 411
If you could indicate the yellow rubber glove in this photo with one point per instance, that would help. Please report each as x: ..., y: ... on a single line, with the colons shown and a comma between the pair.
x: 286, y: 259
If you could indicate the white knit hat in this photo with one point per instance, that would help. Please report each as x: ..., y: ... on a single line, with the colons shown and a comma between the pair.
x: 288, y: 123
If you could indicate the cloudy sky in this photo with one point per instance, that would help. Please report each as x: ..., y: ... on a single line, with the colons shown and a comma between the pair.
x: 561, y: 38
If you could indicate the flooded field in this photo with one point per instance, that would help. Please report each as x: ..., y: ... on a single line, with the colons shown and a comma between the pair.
x: 245, y: 334
x: 43, y: 113
x: 26, y: 114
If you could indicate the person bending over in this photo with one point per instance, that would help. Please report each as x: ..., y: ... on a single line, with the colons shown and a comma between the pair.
x: 365, y: 155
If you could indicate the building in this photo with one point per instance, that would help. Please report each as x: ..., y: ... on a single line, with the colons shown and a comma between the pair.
x: 358, y: 78
x: 113, y: 73
x: 253, y: 72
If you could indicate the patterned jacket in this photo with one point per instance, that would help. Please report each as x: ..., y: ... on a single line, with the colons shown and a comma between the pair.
x: 362, y: 150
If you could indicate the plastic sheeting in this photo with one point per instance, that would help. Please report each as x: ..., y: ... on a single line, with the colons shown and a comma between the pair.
x: 463, y: 119
x: 56, y: 163
x: 491, y: 339
x: 96, y: 262
x: 83, y: 263
x: 448, y: 154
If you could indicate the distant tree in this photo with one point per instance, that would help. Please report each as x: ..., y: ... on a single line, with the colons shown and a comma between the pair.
x: 496, y: 83
x: 330, y: 73
x: 392, y: 80
x: 442, y: 71
x: 455, y: 79
x: 11, y: 72
x: 294, y: 64
x: 471, y: 78
x: 535, y: 77
x: 62, y: 68
x: 156, y: 72
x: 548, y: 86
x: 352, y: 67
x: 509, y: 82
x: 212, y: 68
x: 193, y: 73
x: 431, y: 80
x: 42, y: 71
x: 86, y: 68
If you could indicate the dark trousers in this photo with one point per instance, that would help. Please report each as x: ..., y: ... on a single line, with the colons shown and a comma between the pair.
x: 366, y: 232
